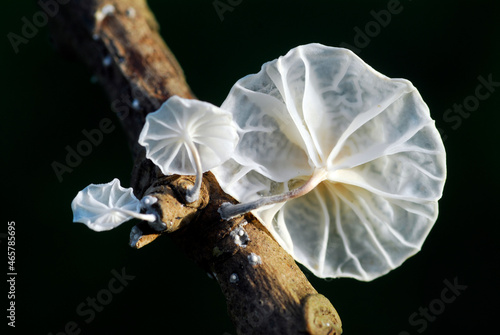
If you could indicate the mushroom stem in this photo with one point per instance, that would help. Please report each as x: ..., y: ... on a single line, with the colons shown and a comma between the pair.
x: 140, y: 216
x: 193, y: 193
x: 228, y: 210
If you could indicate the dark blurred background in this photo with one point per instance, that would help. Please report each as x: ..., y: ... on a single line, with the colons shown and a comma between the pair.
x: 443, y: 47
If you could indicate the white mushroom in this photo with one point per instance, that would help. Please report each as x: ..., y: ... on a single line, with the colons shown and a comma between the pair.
x: 103, y: 12
x: 343, y: 165
x: 254, y: 259
x: 233, y: 278
x: 188, y: 137
x: 106, y: 206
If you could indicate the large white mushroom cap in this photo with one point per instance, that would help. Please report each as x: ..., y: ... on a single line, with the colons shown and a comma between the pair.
x: 323, y: 111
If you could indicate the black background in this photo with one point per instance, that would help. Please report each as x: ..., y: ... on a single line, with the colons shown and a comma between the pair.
x: 442, y: 47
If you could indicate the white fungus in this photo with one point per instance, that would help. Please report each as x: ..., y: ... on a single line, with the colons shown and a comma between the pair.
x: 149, y: 200
x: 233, y: 278
x: 108, y: 10
x: 135, y: 235
x: 130, y: 12
x: 106, y: 206
x: 105, y: 11
x: 254, y: 259
x: 240, y: 236
x: 188, y: 137
x: 106, y: 61
x: 136, y: 104
x: 342, y: 164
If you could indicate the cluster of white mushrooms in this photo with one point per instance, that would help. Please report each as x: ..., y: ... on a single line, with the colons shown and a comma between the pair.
x: 343, y: 165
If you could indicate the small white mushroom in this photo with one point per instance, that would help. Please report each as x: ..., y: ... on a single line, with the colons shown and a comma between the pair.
x: 254, y: 259
x: 104, y: 11
x: 148, y: 201
x: 106, y: 61
x: 342, y: 164
x: 136, y: 104
x: 188, y: 137
x: 233, y: 278
x: 240, y: 236
x: 135, y: 235
x: 108, y: 9
x: 106, y: 206
x: 130, y: 12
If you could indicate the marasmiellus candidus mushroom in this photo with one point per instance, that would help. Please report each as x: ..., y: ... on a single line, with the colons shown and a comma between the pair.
x: 188, y: 137
x: 106, y: 206
x: 342, y: 164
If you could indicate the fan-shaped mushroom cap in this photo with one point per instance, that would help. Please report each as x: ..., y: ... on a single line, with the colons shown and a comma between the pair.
x: 105, y: 206
x: 181, y: 127
x: 323, y: 108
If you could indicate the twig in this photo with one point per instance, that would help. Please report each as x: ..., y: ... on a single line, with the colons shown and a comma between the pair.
x: 265, y: 290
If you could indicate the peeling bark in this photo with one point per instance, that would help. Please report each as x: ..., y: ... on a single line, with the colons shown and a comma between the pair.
x: 265, y: 290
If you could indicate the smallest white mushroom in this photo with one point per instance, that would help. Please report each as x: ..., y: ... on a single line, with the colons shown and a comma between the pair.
x: 254, y: 259
x: 240, y: 236
x: 233, y: 278
x: 106, y: 61
x: 136, y: 105
x: 103, y: 12
x: 131, y: 12
x: 189, y: 137
x: 105, y: 206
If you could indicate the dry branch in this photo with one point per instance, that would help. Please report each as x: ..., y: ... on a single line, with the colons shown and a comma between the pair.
x: 119, y: 41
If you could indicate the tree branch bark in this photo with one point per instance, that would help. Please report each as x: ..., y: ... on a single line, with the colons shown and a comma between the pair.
x: 265, y: 290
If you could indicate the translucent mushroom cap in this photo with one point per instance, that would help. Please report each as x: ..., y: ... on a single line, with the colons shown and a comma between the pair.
x: 104, y: 206
x: 184, y: 128
x: 322, y: 111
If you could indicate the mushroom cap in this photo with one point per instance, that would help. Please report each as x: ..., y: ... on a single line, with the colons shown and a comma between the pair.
x: 321, y: 107
x: 99, y: 206
x: 170, y: 132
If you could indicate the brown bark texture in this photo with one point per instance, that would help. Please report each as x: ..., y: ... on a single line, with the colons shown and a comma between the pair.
x: 119, y: 42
